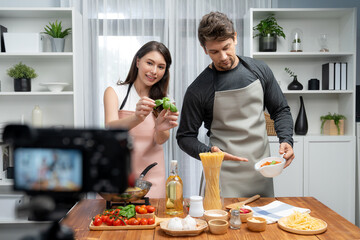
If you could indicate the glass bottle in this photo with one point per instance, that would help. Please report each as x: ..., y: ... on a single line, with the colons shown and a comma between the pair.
x: 174, y: 191
x: 37, y: 116
x: 235, y: 221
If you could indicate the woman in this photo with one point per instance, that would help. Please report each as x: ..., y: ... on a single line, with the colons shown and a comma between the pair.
x: 131, y: 105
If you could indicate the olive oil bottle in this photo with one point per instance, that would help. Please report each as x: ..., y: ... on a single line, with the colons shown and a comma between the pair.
x: 174, y: 191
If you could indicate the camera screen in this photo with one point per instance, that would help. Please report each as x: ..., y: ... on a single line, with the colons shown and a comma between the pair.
x: 48, y: 169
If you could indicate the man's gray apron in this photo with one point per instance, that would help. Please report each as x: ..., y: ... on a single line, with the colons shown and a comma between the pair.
x: 238, y: 127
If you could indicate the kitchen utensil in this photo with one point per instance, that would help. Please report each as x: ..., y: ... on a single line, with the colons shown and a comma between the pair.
x: 130, y: 196
x: 218, y: 226
x: 216, y: 214
x: 256, y: 224
x: 242, y: 203
x: 270, y: 170
x: 201, y: 225
x: 282, y: 225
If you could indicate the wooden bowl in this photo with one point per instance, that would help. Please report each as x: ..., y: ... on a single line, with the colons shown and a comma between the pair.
x: 245, y: 216
x: 256, y: 224
x: 218, y: 226
x: 216, y: 214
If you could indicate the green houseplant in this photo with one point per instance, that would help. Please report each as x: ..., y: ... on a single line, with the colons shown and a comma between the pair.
x: 332, y: 120
x: 55, y: 30
x: 22, y: 75
x: 268, y: 30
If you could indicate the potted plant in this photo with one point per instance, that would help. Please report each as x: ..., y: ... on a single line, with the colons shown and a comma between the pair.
x: 296, y: 37
x: 22, y: 75
x: 295, y: 84
x: 55, y: 31
x: 268, y: 31
x: 332, y: 124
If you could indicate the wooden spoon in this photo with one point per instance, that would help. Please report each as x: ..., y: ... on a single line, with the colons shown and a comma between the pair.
x: 241, y: 204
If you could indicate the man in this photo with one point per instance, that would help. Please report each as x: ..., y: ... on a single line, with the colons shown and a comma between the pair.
x: 229, y: 96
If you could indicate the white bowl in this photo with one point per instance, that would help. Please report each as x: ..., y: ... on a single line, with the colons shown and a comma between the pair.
x: 270, y: 170
x: 54, y: 86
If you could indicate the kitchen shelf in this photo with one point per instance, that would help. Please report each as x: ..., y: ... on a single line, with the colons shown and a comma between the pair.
x: 267, y: 55
x: 299, y: 92
x: 41, y: 55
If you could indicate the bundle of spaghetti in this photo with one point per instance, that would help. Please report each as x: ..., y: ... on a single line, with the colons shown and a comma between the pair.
x: 212, y: 165
x: 303, y: 221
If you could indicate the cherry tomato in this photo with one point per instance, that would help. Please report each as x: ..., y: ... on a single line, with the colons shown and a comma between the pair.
x: 110, y: 221
x: 143, y: 221
x: 137, y: 208
x: 97, y: 221
x: 150, y: 209
x: 117, y: 222
x: 104, y: 218
x: 131, y: 221
x: 142, y: 210
x: 151, y: 221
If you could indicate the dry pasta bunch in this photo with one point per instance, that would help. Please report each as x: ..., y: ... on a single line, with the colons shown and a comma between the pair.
x: 303, y: 221
x: 212, y: 165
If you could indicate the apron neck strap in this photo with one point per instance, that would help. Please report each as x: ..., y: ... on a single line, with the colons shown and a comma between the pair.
x: 126, y: 97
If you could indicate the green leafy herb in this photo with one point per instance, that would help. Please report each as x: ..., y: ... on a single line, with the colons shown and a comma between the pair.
x: 166, y: 104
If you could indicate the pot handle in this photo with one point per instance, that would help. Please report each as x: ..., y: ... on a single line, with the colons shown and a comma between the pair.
x: 147, y: 169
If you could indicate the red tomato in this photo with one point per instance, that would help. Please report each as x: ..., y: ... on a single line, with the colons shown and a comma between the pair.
x: 117, y: 222
x: 150, y: 209
x: 151, y: 221
x: 126, y: 222
x: 144, y: 206
x: 131, y: 221
x: 116, y: 212
x: 137, y: 208
x: 104, y: 218
x: 97, y: 221
x: 110, y: 221
x: 136, y: 222
x: 142, y: 210
x: 143, y: 221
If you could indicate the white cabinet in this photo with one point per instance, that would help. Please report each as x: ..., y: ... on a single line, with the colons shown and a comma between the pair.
x: 324, y: 166
x: 58, y: 109
x: 329, y: 173
x: 290, y: 183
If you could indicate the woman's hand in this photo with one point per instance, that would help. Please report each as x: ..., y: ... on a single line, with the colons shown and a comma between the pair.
x: 143, y: 108
x: 228, y: 156
x: 166, y: 120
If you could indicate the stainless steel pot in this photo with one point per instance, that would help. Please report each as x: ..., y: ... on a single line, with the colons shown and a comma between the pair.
x: 131, y: 196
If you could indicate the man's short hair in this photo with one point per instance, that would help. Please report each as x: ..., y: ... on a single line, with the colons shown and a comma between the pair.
x: 215, y: 26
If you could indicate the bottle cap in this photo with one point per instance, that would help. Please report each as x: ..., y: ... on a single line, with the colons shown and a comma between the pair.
x: 235, y: 212
x: 196, y: 198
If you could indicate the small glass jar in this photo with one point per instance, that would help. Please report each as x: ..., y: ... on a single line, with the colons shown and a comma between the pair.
x: 196, y: 206
x: 235, y: 221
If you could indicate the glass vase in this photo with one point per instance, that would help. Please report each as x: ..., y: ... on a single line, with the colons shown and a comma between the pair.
x: 212, y: 166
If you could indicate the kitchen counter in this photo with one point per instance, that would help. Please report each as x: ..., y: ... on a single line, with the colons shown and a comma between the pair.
x: 339, y: 228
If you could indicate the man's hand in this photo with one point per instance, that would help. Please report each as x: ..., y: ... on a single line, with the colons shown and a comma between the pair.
x: 289, y: 153
x: 228, y: 156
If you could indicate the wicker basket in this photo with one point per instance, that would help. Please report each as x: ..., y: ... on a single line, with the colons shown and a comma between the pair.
x: 269, y: 125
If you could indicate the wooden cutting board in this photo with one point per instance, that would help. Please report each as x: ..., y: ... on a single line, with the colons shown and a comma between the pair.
x: 242, y: 203
x: 104, y: 227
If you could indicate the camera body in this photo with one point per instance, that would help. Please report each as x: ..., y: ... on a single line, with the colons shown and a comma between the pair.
x: 61, y: 162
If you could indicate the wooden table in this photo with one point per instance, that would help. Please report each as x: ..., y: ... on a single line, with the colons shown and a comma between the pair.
x: 338, y: 227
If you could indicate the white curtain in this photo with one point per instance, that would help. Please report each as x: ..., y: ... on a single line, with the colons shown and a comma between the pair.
x: 115, y: 29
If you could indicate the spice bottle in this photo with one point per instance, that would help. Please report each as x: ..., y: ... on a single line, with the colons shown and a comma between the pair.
x: 196, y: 206
x: 174, y: 191
x: 37, y: 116
x: 235, y: 221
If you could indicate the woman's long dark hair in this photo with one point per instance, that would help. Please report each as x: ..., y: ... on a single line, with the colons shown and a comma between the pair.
x: 159, y: 89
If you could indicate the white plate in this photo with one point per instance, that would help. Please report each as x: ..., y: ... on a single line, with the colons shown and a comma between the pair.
x: 54, y: 86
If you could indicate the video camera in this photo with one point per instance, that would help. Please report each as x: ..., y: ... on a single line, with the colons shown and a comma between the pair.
x: 62, y: 163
